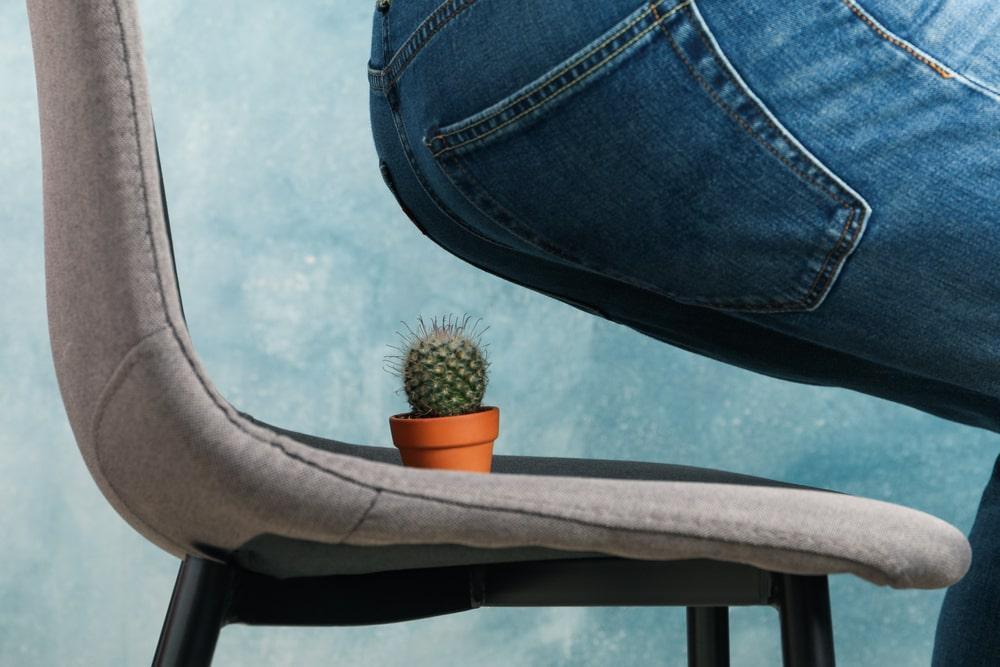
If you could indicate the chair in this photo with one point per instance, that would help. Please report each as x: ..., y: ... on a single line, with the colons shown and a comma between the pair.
x: 277, y: 527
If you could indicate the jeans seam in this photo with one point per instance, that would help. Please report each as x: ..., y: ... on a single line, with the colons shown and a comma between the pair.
x: 451, y: 215
x: 574, y: 61
x: 989, y: 89
x: 417, y: 40
x: 493, y: 208
x: 735, y: 116
x: 862, y: 14
x: 386, y: 37
x: 840, y: 247
x: 442, y: 137
x: 822, y: 277
x: 398, y: 125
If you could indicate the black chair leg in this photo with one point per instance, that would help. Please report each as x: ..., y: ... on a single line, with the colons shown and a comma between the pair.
x: 708, y: 636
x: 204, y: 600
x: 806, y: 626
x: 196, y: 614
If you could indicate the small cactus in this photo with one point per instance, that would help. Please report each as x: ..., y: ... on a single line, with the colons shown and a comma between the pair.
x: 444, y: 369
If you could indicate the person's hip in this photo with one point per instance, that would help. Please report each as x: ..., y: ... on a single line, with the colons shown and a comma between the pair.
x: 802, y: 169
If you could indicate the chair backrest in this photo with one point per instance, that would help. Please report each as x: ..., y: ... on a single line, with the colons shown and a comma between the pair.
x: 108, y: 267
x: 195, y: 476
x: 168, y: 452
x: 109, y: 279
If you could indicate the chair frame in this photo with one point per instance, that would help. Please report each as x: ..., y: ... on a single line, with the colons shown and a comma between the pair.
x: 209, y: 595
x: 186, y: 469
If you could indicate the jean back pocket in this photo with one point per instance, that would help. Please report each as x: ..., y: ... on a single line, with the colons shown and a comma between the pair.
x: 645, y: 157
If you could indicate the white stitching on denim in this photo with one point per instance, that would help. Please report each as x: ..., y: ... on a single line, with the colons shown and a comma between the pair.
x: 898, y: 42
x: 553, y: 95
x: 393, y: 71
x: 945, y: 71
x: 564, y: 68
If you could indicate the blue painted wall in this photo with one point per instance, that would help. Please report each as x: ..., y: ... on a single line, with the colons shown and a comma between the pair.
x: 297, y: 266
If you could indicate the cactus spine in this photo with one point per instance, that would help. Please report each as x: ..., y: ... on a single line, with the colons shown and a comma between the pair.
x: 443, y: 368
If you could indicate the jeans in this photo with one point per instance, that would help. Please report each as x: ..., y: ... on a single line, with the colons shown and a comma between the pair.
x: 807, y: 190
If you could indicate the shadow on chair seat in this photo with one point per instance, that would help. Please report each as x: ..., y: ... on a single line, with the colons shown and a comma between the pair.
x: 282, y: 557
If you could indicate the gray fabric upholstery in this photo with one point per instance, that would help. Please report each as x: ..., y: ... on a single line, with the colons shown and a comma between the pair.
x: 193, y: 475
x: 282, y: 557
x: 548, y: 465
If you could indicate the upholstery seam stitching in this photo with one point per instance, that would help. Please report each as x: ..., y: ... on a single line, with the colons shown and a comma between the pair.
x: 105, y: 398
x: 143, y: 189
x: 276, y: 442
x: 894, y: 563
x: 361, y: 519
x: 144, y: 193
x: 110, y: 388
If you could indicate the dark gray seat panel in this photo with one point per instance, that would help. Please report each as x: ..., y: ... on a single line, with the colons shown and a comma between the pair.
x: 557, y: 466
x: 280, y: 556
x: 285, y: 557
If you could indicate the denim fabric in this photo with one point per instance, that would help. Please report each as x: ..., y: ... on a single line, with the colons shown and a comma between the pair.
x: 967, y: 631
x: 807, y: 190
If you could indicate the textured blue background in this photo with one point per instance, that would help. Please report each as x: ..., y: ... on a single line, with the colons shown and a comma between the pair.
x: 296, y: 266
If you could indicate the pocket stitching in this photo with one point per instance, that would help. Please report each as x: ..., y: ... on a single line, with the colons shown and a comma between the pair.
x: 897, y: 42
x: 442, y: 137
x: 415, y: 43
x: 735, y: 116
x: 840, y: 247
x: 574, y: 61
x: 831, y: 262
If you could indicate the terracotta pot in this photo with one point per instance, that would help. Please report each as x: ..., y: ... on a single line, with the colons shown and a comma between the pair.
x: 459, y: 442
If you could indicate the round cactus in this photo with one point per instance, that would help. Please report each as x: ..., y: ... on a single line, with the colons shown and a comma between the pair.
x: 443, y: 368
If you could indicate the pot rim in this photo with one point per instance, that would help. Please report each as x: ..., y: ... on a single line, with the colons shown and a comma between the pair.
x: 408, y: 416
x: 465, y: 430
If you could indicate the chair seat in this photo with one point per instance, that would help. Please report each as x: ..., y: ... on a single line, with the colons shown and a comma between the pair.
x: 691, y: 513
x: 284, y: 557
x: 198, y: 478
x: 205, y: 482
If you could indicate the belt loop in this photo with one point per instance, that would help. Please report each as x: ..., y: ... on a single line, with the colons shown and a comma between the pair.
x: 383, y: 8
